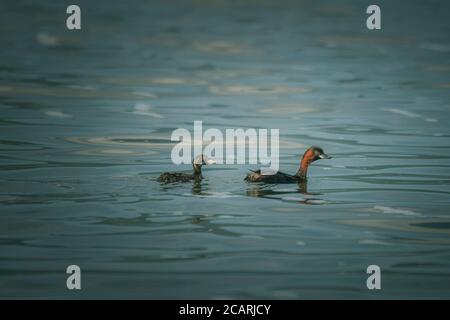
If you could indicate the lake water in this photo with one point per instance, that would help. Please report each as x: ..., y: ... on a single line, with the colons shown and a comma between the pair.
x: 86, y: 119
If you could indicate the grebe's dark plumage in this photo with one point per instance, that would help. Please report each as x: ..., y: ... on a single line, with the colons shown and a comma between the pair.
x: 311, y: 155
x: 169, y: 177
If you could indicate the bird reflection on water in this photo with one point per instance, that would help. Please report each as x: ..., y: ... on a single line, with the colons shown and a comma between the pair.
x: 267, y: 191
x: 197, y: 187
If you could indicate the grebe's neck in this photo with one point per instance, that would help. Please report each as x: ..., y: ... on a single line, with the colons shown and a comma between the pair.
x: 304, y: 164
x: 197, y: 169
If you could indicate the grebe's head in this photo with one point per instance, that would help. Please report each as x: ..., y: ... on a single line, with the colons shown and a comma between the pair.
x: 202, y: 160
x: 310, y: 155
x: 199, y: 161
x: 315, y: 153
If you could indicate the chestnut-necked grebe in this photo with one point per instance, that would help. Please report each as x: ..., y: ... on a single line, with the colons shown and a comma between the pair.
x: 311, y: 155
x: 169, y: 177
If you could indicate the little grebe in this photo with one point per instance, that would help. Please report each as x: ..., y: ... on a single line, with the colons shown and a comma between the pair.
x: 169, y: 177
x: 311, y: 155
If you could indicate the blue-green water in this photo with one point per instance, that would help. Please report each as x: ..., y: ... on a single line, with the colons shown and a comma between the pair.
x: 86, y: 118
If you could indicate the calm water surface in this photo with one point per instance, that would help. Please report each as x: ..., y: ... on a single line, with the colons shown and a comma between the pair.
x: 86, y: 119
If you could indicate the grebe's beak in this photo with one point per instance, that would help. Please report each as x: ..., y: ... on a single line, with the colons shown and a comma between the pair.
x: 210, y: 161
x: 324, y: 156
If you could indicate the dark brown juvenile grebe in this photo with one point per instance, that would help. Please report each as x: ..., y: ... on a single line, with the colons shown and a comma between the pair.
x: 311, y: 155
x: 169, y: 177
